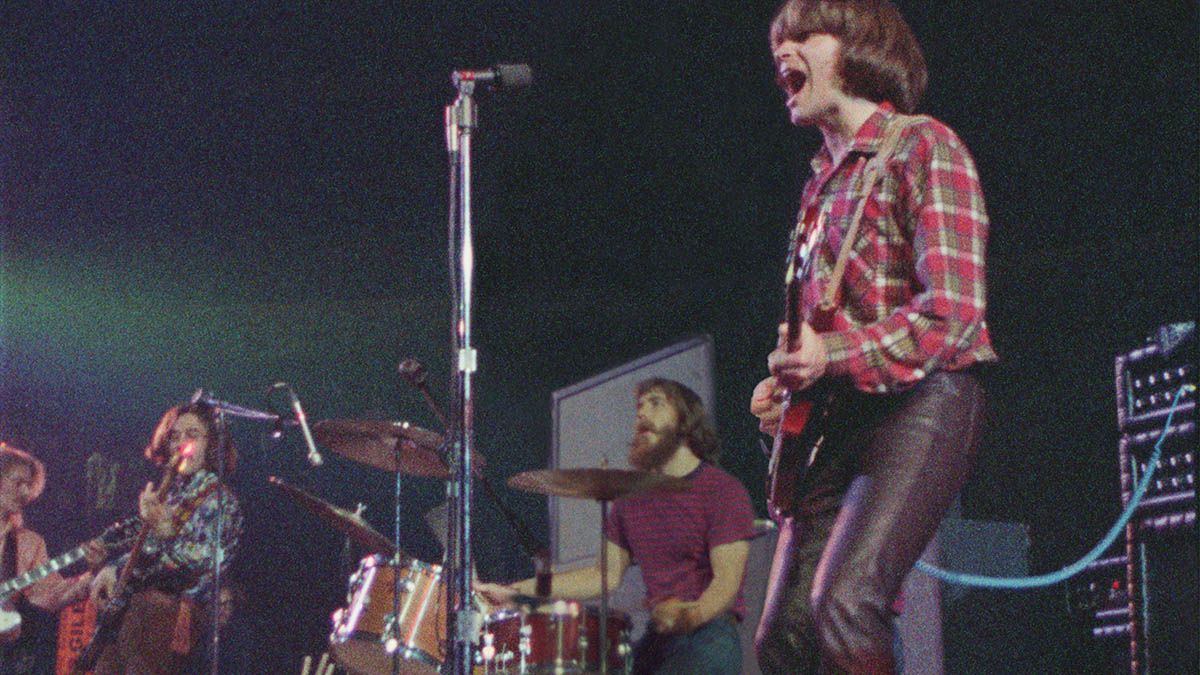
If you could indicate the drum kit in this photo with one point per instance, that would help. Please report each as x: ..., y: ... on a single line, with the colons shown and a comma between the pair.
x: 395, y: 616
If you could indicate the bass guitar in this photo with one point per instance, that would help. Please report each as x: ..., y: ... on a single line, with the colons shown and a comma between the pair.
x: 10, y: 620
x: 108, y: 620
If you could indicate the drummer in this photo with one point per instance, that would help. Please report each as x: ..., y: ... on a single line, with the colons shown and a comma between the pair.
x: 691, y: 546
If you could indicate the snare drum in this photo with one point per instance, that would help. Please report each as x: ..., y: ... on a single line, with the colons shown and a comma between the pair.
x: 560, y: 638
x: 361, y: 629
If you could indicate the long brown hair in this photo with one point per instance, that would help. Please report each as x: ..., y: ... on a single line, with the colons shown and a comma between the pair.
x: 219, y: 442
x: 13, y: 456
x: 880, y: 57
x: 695, y: 427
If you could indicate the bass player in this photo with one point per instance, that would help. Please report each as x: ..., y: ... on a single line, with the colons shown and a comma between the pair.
x: 168, y: 586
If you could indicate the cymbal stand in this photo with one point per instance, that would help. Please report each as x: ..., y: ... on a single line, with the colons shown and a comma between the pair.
x: 603, y: 587
x: 414, y: 373
x: 397, y: 582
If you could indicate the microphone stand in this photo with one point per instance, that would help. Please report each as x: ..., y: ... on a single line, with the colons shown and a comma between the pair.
x: 217, y: 543
x: 460, y: 619
x: 461, y: 120
x: 221, y: 408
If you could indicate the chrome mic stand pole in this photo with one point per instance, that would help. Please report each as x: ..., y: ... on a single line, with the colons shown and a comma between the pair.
x: 460, y: 619
x: 218, y: 547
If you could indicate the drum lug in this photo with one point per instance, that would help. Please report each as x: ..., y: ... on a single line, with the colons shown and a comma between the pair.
x: 390, y: 635
x: 583, y: 650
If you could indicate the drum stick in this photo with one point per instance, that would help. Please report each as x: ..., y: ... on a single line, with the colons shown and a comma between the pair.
x: 322, y: 662
x: 306, y: 664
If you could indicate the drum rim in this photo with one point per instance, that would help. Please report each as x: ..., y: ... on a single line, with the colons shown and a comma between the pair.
x: 380, y: 560
x: 409, y: 652
x: 510, y: 612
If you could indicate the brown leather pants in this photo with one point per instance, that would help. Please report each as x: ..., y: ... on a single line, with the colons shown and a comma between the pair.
x: 147, y: 643
x: 891, y: 469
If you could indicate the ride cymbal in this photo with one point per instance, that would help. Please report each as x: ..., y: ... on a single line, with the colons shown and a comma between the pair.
x: 598, y: 484
x: 375, y: 443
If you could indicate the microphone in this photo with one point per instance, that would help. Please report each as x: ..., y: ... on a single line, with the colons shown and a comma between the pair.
x: 501, y: 76
x: 414, y: 373
x: 314, y: 457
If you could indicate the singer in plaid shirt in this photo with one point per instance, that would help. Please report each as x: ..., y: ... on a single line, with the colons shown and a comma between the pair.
x: 897, y: 351
x: 913, y: 292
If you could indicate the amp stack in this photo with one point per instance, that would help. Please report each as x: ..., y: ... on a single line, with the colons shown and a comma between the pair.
x: 1160, y: 559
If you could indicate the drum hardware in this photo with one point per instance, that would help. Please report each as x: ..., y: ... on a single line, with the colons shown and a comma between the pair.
x: 558, y: 638
x: 448, y: 517
x: 603, y: 485
x: 388, y: 445
x: 349, y: 523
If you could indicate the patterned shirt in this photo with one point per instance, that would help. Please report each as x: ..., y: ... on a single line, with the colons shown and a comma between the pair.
x: 912, y: 300
x: 183, y: 564
x: 670, y: 534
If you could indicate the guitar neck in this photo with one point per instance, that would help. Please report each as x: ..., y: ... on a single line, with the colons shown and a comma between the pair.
x: 41, y: 572
x: 135, y: 553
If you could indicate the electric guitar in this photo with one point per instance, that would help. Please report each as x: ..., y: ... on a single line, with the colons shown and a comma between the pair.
x: 804, y: 416
x: 9, y: 620
x: 108, y: 619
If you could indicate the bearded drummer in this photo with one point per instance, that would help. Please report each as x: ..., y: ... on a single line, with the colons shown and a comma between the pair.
x: 692, y: 545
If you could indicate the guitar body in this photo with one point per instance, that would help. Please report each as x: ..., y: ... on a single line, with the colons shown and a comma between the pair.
x: 108, y: 619
x: 802, y: 422
x: 10, y: 620
x: 795, y: 447
x: 108, y: 622
x: 10, y: 625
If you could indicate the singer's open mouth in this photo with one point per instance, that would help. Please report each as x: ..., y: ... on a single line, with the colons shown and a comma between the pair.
x: 791, y: 82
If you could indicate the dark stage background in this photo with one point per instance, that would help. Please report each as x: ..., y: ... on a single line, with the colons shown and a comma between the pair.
x: 223, y: 195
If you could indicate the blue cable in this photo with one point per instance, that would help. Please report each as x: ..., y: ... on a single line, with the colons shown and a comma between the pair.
x: 1069, y: 571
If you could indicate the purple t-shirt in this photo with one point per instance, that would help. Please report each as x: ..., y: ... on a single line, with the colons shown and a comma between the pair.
x: 669, y: 534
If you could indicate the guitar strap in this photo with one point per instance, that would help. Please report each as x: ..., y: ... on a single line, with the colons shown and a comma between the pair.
x: 185, y: 510
x: 875, y: 166
x: 8, y: 567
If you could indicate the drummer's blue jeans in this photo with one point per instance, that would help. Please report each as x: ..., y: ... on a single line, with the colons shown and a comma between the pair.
x: 712, y: 649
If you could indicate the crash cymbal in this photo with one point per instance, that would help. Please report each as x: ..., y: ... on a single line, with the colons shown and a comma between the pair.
x: 374, y: 442
x: 598, y: 484
x: 348, y: 523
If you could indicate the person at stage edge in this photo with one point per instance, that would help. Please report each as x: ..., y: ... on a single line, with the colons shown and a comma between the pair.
x: 692, y: 545
x: 171, y: 586
x: 22, y: 479
x: 897, y: 351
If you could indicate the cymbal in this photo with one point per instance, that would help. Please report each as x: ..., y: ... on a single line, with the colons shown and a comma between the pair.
x: 598, y: 484
x: 373, y: 442
x: 347, y: 522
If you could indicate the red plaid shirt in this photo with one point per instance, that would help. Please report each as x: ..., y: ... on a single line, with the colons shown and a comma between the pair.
x: 912, y: 299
